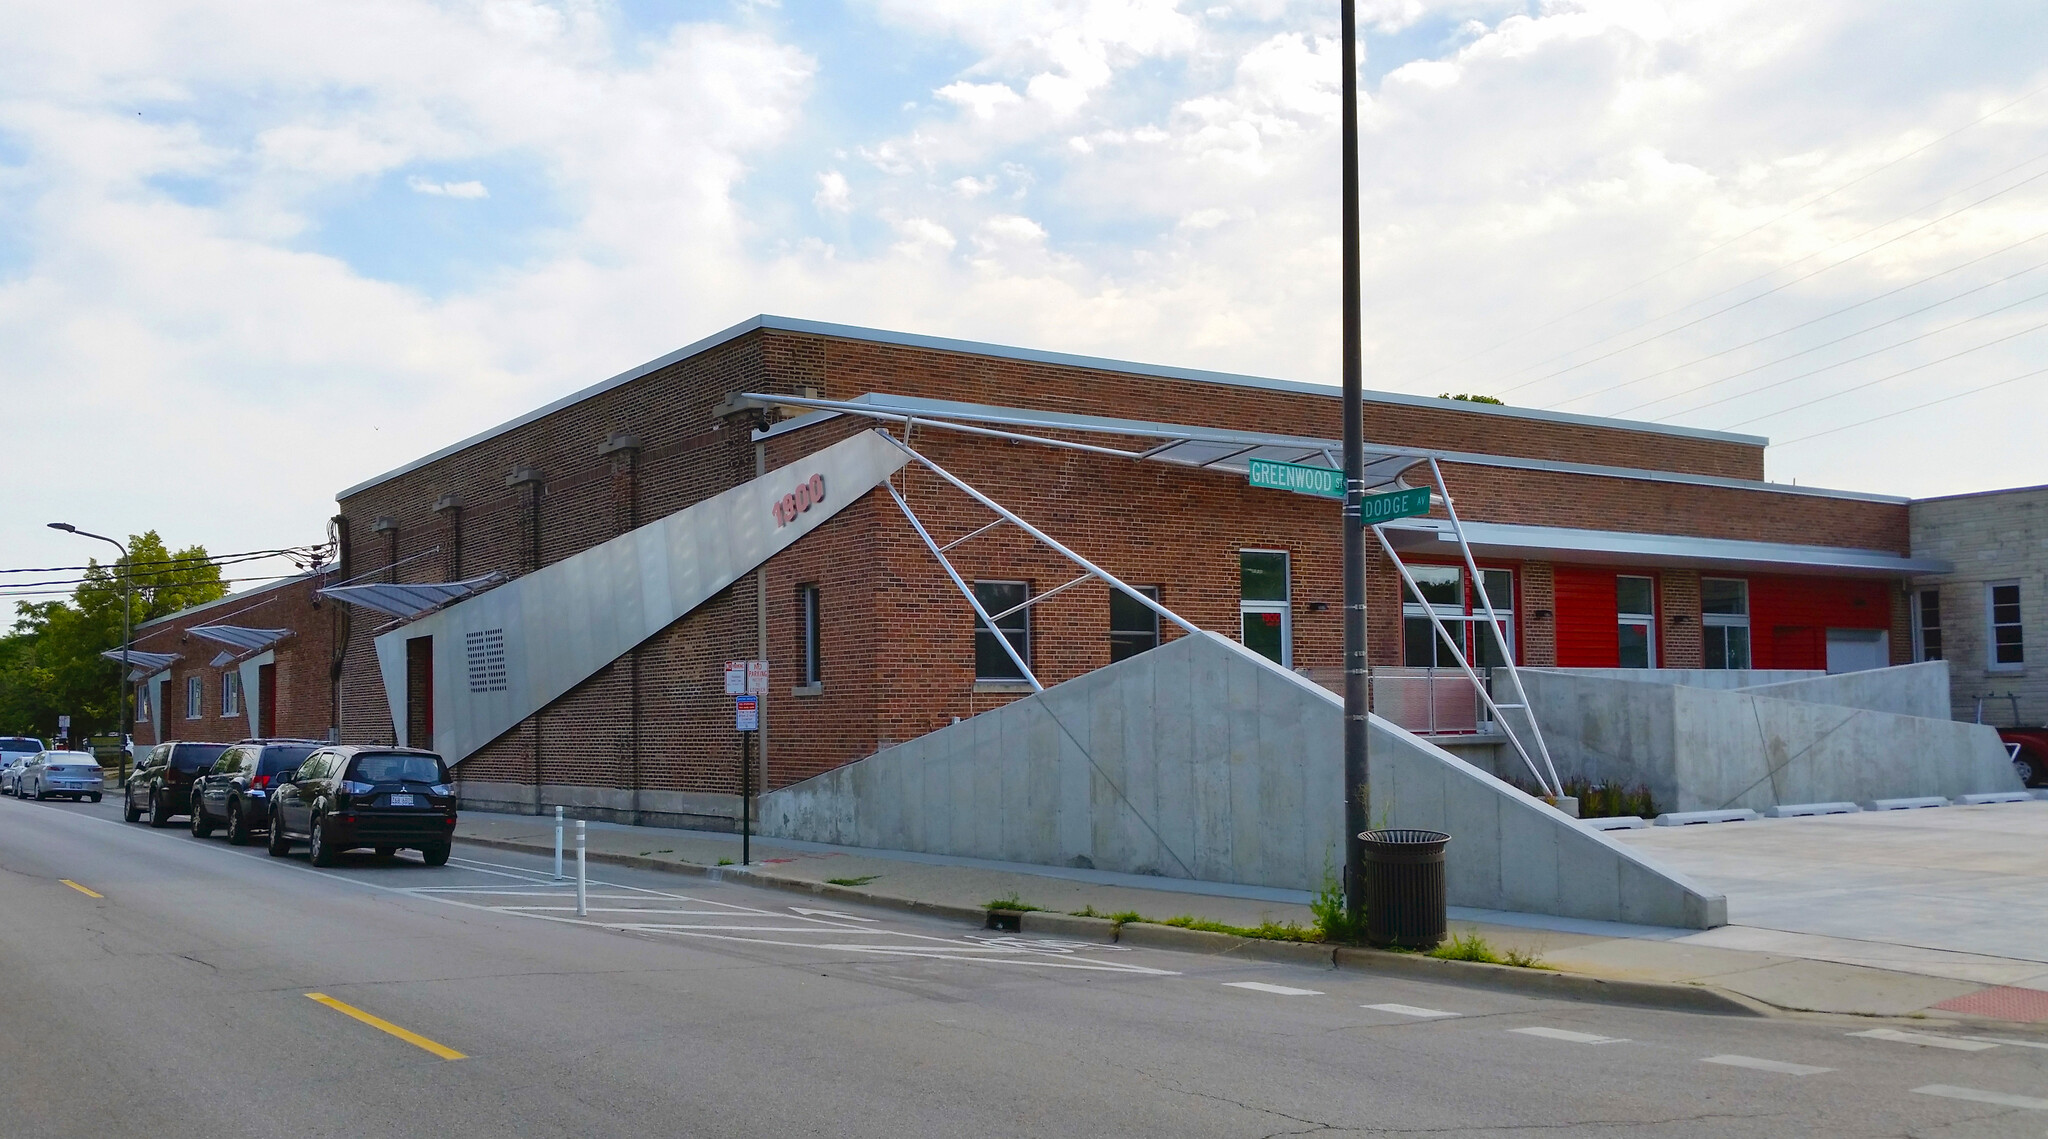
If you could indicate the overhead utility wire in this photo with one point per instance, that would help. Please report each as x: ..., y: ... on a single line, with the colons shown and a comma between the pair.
x: 1915, y: 407
x: 1788, y: 284
x: 1829, y: 344
x: 1825, y: 316
x: 1731, y: 241
x: 1894, y: 375
x: 23, y: 590
x: 211, y: 559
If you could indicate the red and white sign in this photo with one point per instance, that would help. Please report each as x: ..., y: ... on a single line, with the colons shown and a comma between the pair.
x: 746, y: 678
x: 808, y: 493
x: 757, y: 678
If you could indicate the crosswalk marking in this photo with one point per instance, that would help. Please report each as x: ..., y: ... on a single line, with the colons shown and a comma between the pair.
x: 1411, y: 1010
x: 2001, y: 1099
x: 1755, y: 1064
x: 1568, y: 1036
x: 1276, y: 990
x: 1926, y: 1040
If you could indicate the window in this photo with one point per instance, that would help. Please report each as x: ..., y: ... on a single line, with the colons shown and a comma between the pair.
x: 193, y: 696
x: 1927, y: 624
x: 1133, y: 627
x: 1635, y: 603
x: 1463, y: 613
x: 1488, y: 652
x: 811, y: 664
x: 2002, y: 618
x: 1263, y: 611
x: 230, y: 693
x: 1004, y: 602
x: 142, y: 703
x: 1724, y: 620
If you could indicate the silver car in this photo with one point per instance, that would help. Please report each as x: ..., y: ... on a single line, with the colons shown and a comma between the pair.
x: 73, y: 773
x: 10, y: 772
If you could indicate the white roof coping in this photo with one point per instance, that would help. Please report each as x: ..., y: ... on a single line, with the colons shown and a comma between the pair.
x: 1555, y: 543
x: 1033, y: 355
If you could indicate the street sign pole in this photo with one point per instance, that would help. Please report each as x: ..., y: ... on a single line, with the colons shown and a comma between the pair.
x: 746, y: 719
x: 1357, y: 771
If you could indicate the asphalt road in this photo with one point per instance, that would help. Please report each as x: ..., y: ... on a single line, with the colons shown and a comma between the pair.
x: 166, y: 993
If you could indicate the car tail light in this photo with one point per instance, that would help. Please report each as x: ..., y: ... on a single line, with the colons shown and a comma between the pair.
x: 260, y: 782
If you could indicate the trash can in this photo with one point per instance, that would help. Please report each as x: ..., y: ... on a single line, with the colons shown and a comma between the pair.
x: 1404, y: 888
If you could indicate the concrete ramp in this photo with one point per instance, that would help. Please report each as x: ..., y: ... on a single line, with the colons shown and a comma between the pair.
x: 1203, y: 760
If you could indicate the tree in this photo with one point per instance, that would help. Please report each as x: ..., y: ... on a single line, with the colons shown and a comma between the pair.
x: 1472, y: 398
x: 51, y: 665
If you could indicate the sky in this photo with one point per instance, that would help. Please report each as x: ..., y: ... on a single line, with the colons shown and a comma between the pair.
x: 253, y: 253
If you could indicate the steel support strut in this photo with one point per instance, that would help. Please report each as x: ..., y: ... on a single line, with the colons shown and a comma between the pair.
x: 1357, y: 769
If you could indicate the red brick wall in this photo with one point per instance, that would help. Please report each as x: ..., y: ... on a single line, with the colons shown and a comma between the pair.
x: 305, y: 701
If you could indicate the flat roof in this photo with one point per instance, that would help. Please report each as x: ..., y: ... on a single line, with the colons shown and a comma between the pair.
x: 1037, y: 356
x: 1981, y: 493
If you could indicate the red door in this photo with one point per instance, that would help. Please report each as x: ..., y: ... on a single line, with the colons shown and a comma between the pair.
x: 266, y: 699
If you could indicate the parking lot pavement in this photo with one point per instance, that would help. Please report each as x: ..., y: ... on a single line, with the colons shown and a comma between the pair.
x: 173, y: 975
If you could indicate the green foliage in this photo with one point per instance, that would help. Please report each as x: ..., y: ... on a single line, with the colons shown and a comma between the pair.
x: 725, y: 862
x: 1604, y: 800
x: 1010, y: 902
x: 1332, y: 919
x: 50, y: 662
x: 861, y: 881
x: 1472, y: 398
x: 1466, y: 947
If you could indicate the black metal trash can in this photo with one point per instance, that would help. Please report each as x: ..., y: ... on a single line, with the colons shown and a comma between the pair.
x: 1404, y: 888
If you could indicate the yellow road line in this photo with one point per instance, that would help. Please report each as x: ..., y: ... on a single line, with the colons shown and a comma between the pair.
x: 382, y: 1025
x: 80, y: 889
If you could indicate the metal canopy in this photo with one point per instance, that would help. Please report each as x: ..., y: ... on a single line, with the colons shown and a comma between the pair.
x: 148, y: 664
x: 1206, y: 448
x: 409, y: 600
x: 221, y: 659
x: 239, y: 637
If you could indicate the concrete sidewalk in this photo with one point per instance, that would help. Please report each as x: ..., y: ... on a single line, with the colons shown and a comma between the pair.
x: 1785, y: 973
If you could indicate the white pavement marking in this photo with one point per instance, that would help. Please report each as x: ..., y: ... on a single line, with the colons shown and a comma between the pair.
x: 2009, y: 1040
x: 1949, y: 1091
x: 1411, y: 1010
x: 828, y: 914
x: 1276, y: 990
x: 1778, y: 1066
x: 1568, y: 1036
x: 1925, y: 1040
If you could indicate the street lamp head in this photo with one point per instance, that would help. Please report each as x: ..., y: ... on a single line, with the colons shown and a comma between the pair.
x: 67, y: 527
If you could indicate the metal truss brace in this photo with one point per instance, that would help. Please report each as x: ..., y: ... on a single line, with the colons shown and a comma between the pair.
x: 987, y: 621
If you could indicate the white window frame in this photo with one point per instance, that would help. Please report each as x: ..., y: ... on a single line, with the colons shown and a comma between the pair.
x: 1284, y: 607
x: 1479, y: 628
x: 230, y: 693
x: 1991, y: 627
x: 1730, y: 621
x: 1023, y: 650
x: 195, y: 698
x: 1647, y: 621
x: 1916, y: 603
x: 1151, y: 591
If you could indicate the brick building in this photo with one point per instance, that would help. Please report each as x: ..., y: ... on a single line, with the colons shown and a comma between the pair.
x: 255, y: 663
x: 1603, y: 543
x: 1984, y: 618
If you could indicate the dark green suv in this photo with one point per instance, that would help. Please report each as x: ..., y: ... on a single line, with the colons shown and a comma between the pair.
x: 347, y: 796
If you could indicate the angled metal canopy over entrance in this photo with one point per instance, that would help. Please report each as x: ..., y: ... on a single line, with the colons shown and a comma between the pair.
x: 239, y: 638
x: 410, y: 600
x: 1201, y: 448
x: 147, y: 664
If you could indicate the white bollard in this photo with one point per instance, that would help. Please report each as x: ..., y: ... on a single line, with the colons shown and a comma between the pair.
x: 582, y: 910
x: 558, y: 845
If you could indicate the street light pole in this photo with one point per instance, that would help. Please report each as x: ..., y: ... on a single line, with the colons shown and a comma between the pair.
x: 127, y: 629
x: 1357, y: 769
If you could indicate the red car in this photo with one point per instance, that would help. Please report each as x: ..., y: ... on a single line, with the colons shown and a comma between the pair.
x: 2031, y: 757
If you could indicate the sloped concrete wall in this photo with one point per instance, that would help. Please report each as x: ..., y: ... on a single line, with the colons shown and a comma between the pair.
x: 1902, y: 690
x: 1202, y: 760
x: 1689, y: 677
x: 1605, y: 726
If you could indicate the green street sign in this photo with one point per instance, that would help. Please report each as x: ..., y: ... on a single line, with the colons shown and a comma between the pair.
x: 1298, y: 478
x: 1374, y: 509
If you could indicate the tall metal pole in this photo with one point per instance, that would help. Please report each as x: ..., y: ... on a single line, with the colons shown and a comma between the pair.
x: 127, y: 629
x: 1356, y: 766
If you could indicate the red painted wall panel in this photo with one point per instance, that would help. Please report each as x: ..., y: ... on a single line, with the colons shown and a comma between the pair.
x: 1789, y: 617
x: 1587, y: 633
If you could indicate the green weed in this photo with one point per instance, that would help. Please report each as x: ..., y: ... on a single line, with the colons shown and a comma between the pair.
x: 725, y: 862
x: 1010, y: 902
x: 1332, y: 919
x: 1466, y: 947
x: 861, y: 881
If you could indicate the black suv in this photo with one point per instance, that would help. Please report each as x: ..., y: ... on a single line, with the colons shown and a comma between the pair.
x: 162, y: 783
x: 379, y: 797
x: 236, y: 791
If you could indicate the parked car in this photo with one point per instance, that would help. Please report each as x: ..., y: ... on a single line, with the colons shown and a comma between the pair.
x: 346, y: 797
x: 235, y: 791
x: 10, y: 772
x: 73, y: 773
x: 162, y: 783
x: 23, y: 746
x: 2029, y: 747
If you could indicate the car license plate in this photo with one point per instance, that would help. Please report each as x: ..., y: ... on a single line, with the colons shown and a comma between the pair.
x: 401, y: 800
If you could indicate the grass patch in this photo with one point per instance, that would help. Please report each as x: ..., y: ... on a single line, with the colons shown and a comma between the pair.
x: 1120, y: 918
x: 1264, y: 931
x: 1473, y: 947
x: 1332, y: 919
x: 861, y: 881
x: 725, y: 862
x: 1010, y: 902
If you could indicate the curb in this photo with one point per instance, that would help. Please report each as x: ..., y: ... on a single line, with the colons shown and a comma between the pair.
x: 1470, y: 974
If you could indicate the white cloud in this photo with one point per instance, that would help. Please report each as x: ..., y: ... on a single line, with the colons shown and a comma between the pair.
x: 470, y: 189
x: 834, y: 195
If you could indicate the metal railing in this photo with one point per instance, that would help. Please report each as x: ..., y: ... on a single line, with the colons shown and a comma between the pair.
x: 1426, y: 701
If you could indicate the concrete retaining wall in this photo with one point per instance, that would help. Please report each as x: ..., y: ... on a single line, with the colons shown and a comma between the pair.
x: 1202, y: 760
x: 1903, y: 690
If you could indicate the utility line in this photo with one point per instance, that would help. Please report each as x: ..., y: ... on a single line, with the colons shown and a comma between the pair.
x: 24, y: 591
x: 1893, y: 376
x: 1823, y: 368
x: 221, y: 559
x: 1824, y: 316
x: 1915, y: 407
x: 1731, y: 241
x: 1788, y: 284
